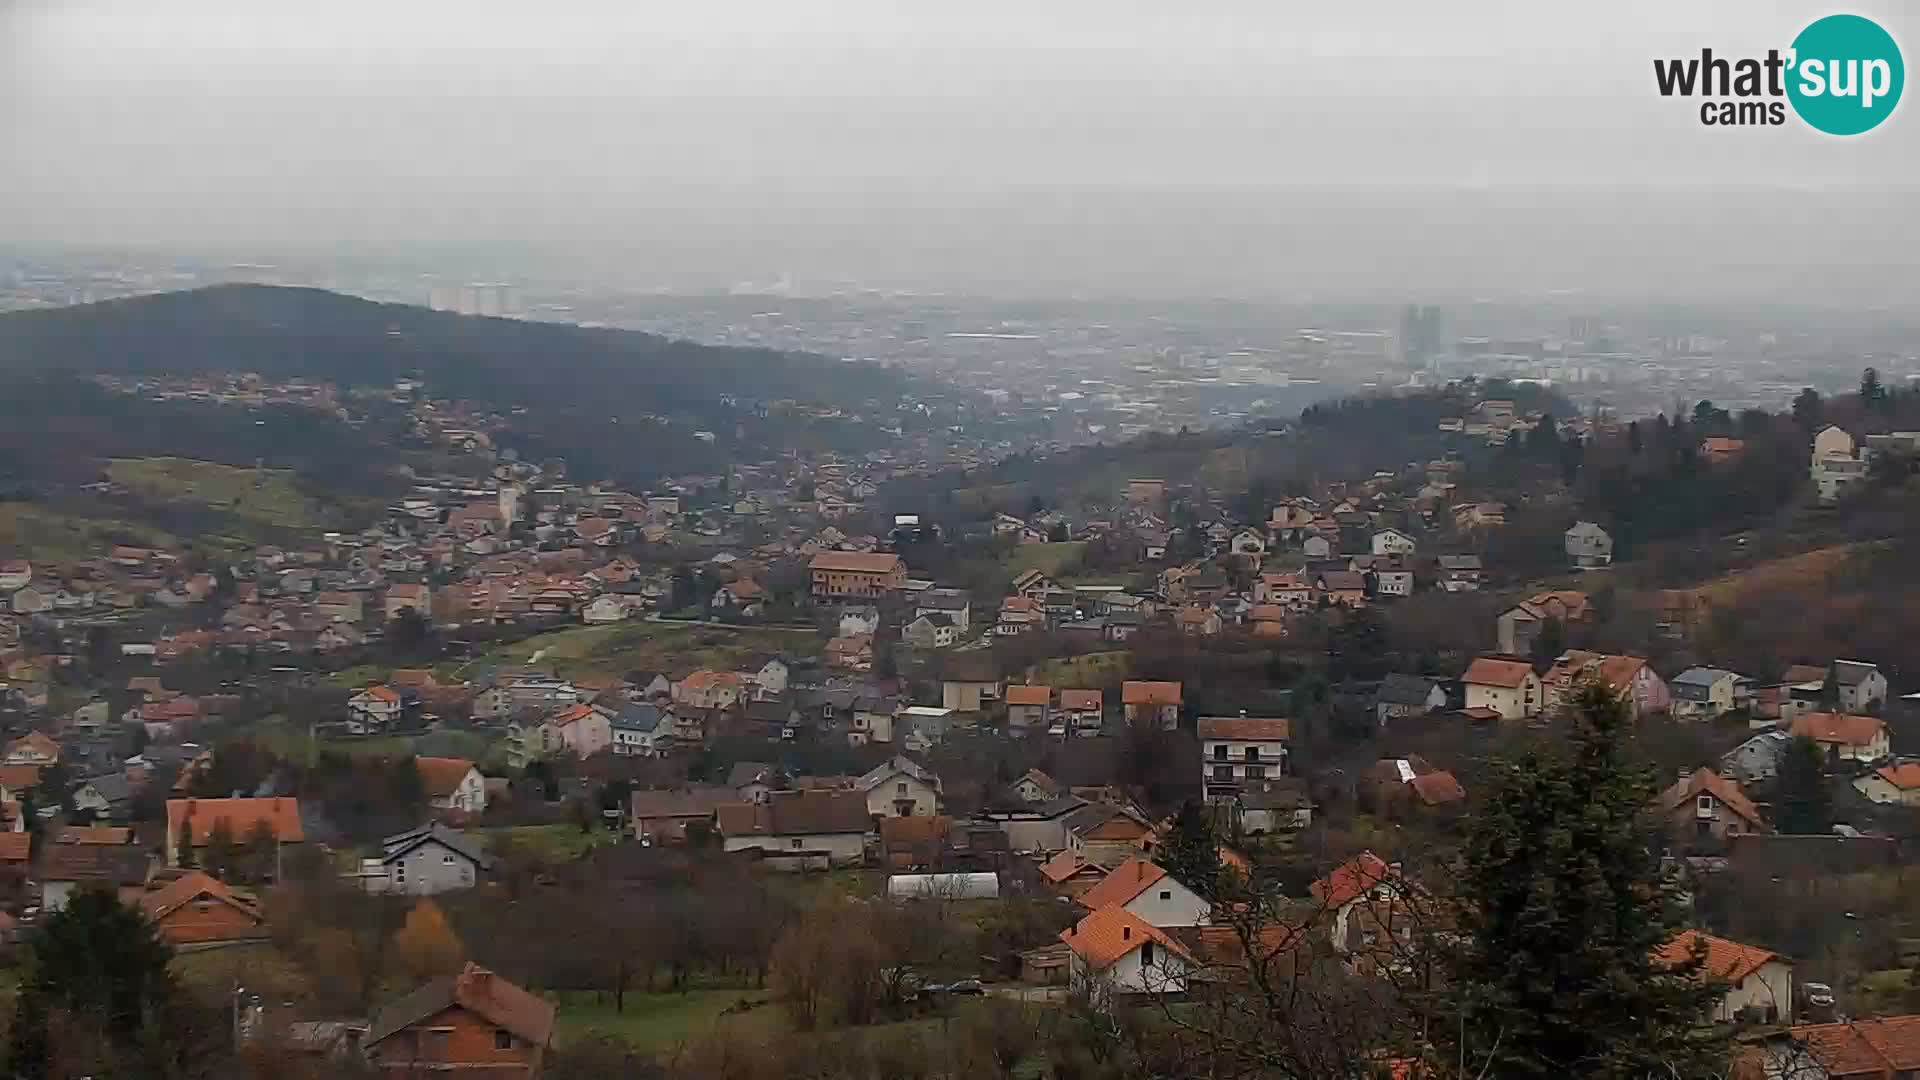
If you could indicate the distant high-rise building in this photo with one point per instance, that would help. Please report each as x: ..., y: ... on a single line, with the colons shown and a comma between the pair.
x: 480, y: 298
x: 1420, y: 343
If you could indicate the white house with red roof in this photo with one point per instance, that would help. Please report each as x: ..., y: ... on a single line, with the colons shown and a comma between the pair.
x: 1758, y: 981
x: 374, y: 708
x: 1116, y: 953
x: 1506, y: 686
x: 1145, y: 889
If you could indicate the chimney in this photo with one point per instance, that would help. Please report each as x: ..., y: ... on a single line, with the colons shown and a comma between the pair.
x: 1126, y: 933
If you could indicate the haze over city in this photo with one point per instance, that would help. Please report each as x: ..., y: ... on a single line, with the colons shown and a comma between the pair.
x: 1323, y: 152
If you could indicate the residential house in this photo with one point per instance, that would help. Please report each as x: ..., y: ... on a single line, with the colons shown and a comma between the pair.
x: 605, y: 608
x: 1290, y: 590
x: 930, y: 631
x: 1083, y: 710
x: 1070, y: 874
x: 1629, y: 677
x: 1020, y: 614
x: 1413, y: 782
x: 1836, y: 463
x: 67, y: 868
x: 705, y: 689
x: 1393, y: 542
x: 1273, y: 807
x: 195, y: 909
x: 953, y: 603
x: 1588, y: 546
x: 1459, y: 573
x: 1401, y: 696
x: 1521, y: 625
x: 15, y: 574
x: 375, y: 708
x: 246, y: 820
x: 900, y: 787
x: 1858, y: 687
x: 399, y: 598
x: 1117, y: 954
x: 1238, y: 750
x: 1887, y: 1048
x: 850, y: 652
x: 664, y: 816
x: 1035, y: 787
x: 638, y: 731
x: 1341, y: 588
x: 1508, y: 687
x: 1362, y: 894
x: 33, y: 748
x: 859, y: 619
x: 1703, y: 693
x: 799, y: 829
x: 839, y: 575
x: 1846, y: 738
x: 1151, y: 704
x: 1759, y: 982
x: 581, y: 730
x: 969, y: 690
x: 871, y: 720
x: 1892, y: 785
x: 1704, y: 803
x: 1145, y: 889
x: 474, y: 1023
x: 424, y: 861
x: 1044, y: 828
x: 453, y: 785
x: 1108, y: 832
x: 1756, y: 759
x: 1249, y: 542
x: 1028, y: 707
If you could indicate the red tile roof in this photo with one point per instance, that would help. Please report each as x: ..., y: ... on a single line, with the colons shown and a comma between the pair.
x: 441, y: 776
x: 1351, y: 880
x: 1728, y: 961
x: 1708, y: 782
x: 1135, y: 692
x: 242, y: 816
x: 1029, y: 695
x: 1079, y: 700
x: 1904, y: 776
x: 1111, y: 933
x: 1838, y: 728
x: 1437, y: 788
x: 15, y: 847
x: 1245, y: 728
x: 1491, y: 671
x: 1057, y: 869
x: 1126, y: 881
x: 856, y: 562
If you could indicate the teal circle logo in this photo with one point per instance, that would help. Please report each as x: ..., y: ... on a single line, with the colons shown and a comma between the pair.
x: 1846, y: 75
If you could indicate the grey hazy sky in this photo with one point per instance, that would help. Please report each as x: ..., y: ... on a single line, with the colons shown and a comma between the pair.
x: 1200, y: 145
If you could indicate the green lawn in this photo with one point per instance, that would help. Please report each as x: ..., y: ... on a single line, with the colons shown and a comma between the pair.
x: 261, y: 496
x: 622, y: 647
x: 555, y: 843
x: 659, y: 1021
x: 47, y: 536
x: 1087, y: 670
x: 1049, y: 559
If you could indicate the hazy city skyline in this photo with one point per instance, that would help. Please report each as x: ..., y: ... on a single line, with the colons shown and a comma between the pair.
x: 1228, y: 147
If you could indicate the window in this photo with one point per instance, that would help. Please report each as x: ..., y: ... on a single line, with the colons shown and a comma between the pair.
x: 400, y: 872
x: 1146, y: 954
x: 1166, y: 894
x: 447, y: 859
x: 502, y: 1039
x: 434, y: 1043
x: 1223, y: 773
x: 900, y: 788
x: 1256, y: 772
x: 796, y: 843
x: 1220, y: 752
x: 1253, y: 753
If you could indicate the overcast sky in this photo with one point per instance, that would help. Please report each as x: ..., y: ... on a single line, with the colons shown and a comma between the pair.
x: 1043, y: 143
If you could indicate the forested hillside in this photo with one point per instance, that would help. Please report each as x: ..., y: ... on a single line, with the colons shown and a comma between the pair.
x: 610, y: 402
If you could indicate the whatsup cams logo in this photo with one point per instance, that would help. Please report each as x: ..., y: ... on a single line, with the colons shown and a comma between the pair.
x: 1842, y: 75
